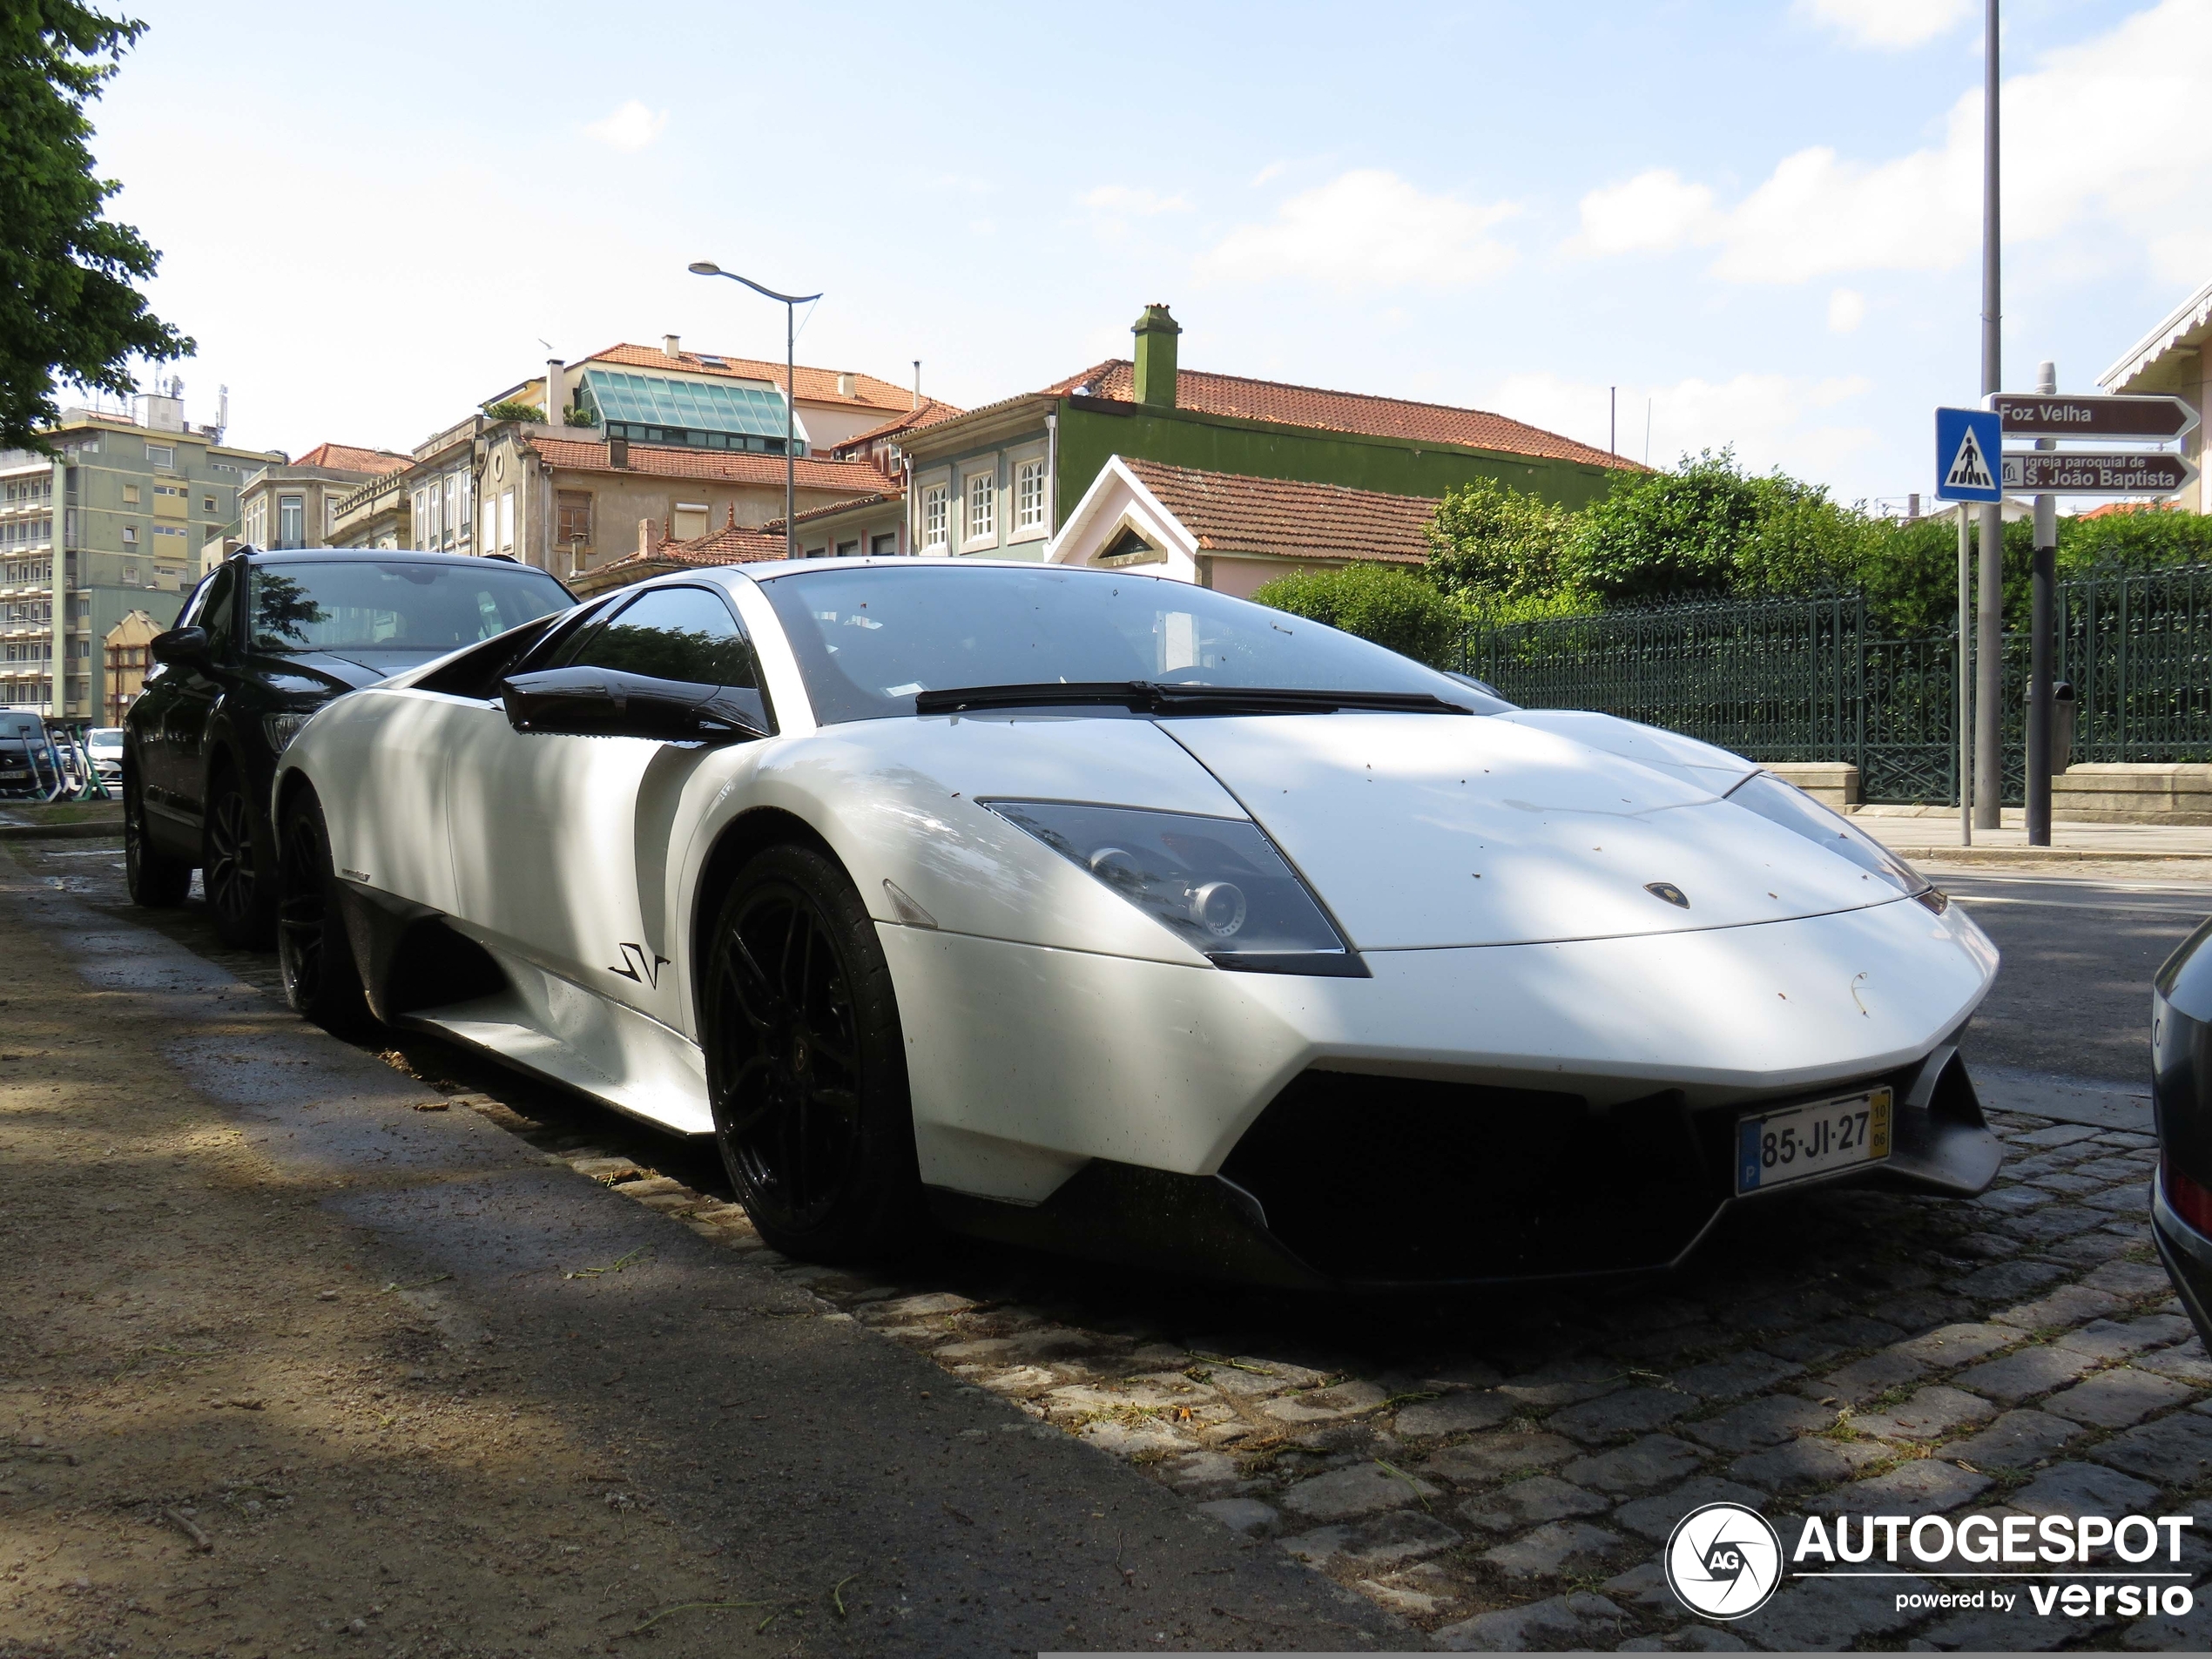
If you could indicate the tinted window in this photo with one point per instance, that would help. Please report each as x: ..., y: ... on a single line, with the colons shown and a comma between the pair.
x: 684, y: 634
x: 403, y: 605
x: 218, y: 609
x: 868, y: 640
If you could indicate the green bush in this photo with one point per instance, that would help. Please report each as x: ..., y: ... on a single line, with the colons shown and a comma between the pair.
x: 581, y: 417
x: 1490, y: 543
x: 509, y: 409
x: 1393, y: 607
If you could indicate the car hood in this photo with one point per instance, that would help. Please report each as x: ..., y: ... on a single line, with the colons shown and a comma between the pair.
x: 1424, y: 832
x: 332, y: 672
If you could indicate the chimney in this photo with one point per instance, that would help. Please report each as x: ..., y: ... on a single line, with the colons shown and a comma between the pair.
x: 647, y: 540
x: 618, y: 453
x: 1156, y: 332
x: 671, y: 345
x: 557, y: 390
x: 847, y: 385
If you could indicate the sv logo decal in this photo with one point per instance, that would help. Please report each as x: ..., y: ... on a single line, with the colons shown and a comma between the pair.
x: 640, y: 964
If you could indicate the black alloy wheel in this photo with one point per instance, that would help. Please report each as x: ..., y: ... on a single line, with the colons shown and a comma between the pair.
x: 156, y: 881
x: 321, y: 981
x: 233, y: 871
x: 805, y: 1065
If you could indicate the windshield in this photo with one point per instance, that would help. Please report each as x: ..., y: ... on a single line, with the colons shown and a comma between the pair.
x: 868, y: 639
x: 360, y: 604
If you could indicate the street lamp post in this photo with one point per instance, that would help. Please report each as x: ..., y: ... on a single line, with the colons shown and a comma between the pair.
x: 791, y: 303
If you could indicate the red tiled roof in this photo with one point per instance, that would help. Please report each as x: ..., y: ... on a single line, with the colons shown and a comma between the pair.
x: 932, y: 411
x: 815, y: 385
x: 877, y: 499
x: 659, y: 461
x: 348, y: 457
x: 1307, y: 406
x: 1230, y: 513
x: 732, y: 545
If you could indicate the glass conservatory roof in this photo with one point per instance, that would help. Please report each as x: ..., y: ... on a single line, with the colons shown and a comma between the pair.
x: 649, y: 400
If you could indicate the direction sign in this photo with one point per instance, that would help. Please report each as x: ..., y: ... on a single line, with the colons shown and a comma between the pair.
x: 2046, y: 415
x: 1967, y: 447
x: 2097, y: 472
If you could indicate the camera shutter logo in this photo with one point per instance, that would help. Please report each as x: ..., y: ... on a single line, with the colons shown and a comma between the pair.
x: 1722, y: 1561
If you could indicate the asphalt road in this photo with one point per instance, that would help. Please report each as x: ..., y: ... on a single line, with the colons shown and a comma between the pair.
x: 2074, y: 994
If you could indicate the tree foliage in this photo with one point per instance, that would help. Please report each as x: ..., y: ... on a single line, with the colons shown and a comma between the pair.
x: 1394, y: 608
x: 68, y: 309
x: 508, y: 410
x: 1490, y: 545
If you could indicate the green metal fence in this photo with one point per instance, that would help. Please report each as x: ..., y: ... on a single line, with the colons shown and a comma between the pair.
x: 1807, y: 678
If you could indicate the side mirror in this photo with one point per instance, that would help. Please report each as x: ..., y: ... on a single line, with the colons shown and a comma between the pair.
x: 606, y: 703
x: 179, y: 646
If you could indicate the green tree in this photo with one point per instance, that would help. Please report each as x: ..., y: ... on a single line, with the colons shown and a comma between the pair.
x: 1392, y: 607
x: 1491, y: 544
x: 1709, y: 527
x: 67, y: 310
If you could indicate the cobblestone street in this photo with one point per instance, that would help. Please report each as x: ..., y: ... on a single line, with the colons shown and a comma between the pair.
x: 1500, y: 1470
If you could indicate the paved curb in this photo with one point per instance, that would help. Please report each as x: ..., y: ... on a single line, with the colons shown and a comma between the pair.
x: 2042, y: 855
x: 88, y: 830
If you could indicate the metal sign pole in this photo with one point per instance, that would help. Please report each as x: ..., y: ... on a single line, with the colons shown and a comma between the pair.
x: 1965, y: 681
x: 2039, y: 678
x: 1989, y: 701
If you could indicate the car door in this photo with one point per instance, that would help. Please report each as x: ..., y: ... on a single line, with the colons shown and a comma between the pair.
x: 177, y: 763
x: 563, y: 845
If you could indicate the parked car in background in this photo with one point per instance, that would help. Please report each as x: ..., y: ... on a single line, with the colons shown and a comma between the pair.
x: 22, y: 743
x: 266, y: 640
x: 104, y: 744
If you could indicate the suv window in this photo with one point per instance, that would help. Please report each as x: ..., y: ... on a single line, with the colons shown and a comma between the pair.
x: 218, y: 610
x: 684, y: 634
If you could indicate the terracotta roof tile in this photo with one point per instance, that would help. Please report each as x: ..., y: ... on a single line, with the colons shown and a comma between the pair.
x: 877, y: 499
x: 1230, y: 513
x: 1382, y: 417
x: 348, y: 457
x: 815, y: 385
x: 932, y: 411
x: 659, y: 461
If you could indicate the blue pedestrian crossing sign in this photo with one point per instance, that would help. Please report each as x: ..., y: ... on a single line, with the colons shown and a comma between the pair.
x: 1967, y: 461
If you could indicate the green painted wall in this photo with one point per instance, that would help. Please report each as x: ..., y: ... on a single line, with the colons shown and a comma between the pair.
x: 1218, y: 443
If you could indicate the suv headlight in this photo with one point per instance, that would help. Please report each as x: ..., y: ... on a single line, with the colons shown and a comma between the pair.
x: 282, y: 728
x: 1787, y: 805
x: 1216, y: 883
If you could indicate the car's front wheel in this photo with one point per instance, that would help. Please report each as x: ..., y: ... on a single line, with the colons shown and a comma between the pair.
x: 156, y: 881
x: 320, y: 980
x: 805, y: 1065
x: 240, y: 888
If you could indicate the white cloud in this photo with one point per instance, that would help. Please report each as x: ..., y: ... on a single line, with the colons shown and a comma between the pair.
x: 1272, y: 169
x: 1820, y: 212
x: 631, y: 127
x: 1888, y: 25
x: 1771, y: 420
x: 1653, y: 213
x: 1124, y: 199
x: 1846, y: 310
x: 1367, y: 229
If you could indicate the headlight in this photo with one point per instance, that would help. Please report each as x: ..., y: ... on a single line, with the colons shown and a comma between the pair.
x: 1786, y: 804
x: 282, y: 728
x: 1216, y: 883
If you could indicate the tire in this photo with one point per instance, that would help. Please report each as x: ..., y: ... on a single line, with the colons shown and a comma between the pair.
x: 157, y: 882
x: 321, y: 981
x: 235, y: 868
x: 806, y: 1064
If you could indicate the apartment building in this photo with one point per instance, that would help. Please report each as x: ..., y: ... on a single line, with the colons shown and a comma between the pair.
x: 296, y: 505
x: 111, y: 522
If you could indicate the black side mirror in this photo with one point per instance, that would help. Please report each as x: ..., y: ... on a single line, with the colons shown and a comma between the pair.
x: 179, y: 646
x: 606, y: 703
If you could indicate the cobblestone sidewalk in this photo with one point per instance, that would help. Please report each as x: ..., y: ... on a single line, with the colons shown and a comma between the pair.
x: 1501, y: 1470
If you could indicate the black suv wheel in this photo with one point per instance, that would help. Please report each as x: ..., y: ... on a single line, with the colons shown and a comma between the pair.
x: 236, y: 868
x: 156, y: 881
x: 320, y: 980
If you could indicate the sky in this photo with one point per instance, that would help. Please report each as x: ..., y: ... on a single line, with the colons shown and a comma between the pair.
x: 1760, y: 222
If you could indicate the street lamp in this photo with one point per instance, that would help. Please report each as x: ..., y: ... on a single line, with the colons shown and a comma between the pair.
x: 791, y: 303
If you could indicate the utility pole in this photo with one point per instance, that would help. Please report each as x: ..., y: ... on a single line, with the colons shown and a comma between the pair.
x: 2040, y: 644
x: 1989, y: 704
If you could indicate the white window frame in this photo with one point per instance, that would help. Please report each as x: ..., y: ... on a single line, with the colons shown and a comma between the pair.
x: 506, y: 521
x: 973, y: 540
x: 937, y: 524
x: 161, y: 454
x: 1023, y: 526
x: 297, y: 506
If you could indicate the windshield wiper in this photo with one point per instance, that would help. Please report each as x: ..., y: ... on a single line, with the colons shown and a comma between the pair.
x: 1150, y: 697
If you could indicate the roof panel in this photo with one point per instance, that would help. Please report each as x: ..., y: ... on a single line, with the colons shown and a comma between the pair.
x: 650, y: 400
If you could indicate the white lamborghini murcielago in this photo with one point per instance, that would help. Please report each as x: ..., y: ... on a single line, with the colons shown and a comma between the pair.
x: 1093, y: 910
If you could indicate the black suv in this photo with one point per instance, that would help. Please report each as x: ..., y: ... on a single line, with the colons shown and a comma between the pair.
x: 266, y: 640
